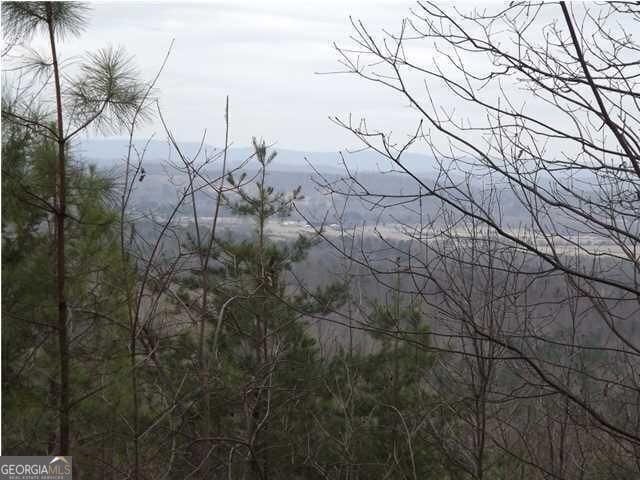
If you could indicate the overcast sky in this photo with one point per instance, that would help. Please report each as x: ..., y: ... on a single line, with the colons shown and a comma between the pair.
x: 272, y: 59
x: 264, y: 55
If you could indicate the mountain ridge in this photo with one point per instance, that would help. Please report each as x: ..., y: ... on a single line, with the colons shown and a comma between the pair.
x: 106, y: 152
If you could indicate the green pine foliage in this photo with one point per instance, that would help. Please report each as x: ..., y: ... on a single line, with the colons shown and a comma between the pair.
x: 375, y: 403
x: 28, y: 301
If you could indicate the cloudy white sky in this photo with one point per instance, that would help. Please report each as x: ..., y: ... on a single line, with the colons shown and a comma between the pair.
x: 272, y: 59
x: 265, y: 55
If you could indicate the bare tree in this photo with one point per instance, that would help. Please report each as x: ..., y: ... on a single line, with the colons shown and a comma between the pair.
x: 530, y: 113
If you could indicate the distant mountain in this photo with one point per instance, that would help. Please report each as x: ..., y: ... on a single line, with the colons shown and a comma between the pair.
x: 106, y: 152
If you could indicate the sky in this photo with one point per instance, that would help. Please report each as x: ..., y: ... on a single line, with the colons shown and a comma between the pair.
x: 270, y: 58
x: 276, y: 62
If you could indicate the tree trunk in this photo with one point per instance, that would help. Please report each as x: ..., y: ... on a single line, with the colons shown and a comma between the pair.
x: 60, y: 213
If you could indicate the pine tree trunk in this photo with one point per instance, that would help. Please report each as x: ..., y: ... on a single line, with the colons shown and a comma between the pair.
x: 60, y: 213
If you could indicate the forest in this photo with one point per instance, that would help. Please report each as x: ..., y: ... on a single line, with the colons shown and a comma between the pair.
x: 215, y: 314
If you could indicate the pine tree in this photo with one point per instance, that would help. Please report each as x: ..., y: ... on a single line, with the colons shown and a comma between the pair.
x: 374, y: 401
x: 104, y: 95
x: 264, y: 365
x: 30, y: 389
